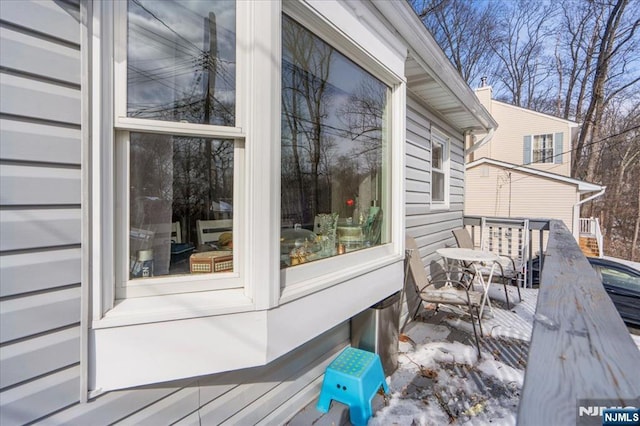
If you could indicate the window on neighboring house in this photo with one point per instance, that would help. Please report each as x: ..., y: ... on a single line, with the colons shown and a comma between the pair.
x: 542, y: 148
x: 335, y: 151
x: 176, y: 149
x: 439, y: 169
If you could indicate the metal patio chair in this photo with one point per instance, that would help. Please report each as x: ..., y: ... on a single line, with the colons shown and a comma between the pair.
x: 451, y: 291
x: 504, y: 272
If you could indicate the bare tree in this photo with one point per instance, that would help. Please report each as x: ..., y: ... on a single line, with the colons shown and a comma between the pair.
x: 618, y: 39
x: 620, y: 169
x: 523, y: 65
x: 465, y: 30
x: 578, y: 36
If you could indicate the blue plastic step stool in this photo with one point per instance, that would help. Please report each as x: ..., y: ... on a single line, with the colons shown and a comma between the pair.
x: 353, y: 378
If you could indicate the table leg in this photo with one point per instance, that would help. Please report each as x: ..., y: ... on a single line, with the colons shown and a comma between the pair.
x: 485, y: 288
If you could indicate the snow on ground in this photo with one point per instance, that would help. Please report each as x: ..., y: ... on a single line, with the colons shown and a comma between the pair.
x: 440, y: 379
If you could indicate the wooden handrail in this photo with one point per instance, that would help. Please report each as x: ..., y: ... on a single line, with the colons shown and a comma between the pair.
x: 580, y: 348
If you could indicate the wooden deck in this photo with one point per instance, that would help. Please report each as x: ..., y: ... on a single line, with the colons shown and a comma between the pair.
x: 580, y: 347
x: 569, y: 337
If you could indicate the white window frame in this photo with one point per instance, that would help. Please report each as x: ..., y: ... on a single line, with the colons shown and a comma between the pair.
x: 444, y: 142
x: 304, y: 279
x: 553, y: 148
x: 123, y: 127
x: 167, y: 325
x: 110, y: 130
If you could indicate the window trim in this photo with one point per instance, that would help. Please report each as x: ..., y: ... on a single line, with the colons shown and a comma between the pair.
x: 122, y: 128
x: 107, y: 98
x: 553, y: 148
x: 445, y: 142
x: 301, y: 280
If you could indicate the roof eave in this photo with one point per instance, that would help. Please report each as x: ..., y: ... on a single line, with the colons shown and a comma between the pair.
x: 426, y: 52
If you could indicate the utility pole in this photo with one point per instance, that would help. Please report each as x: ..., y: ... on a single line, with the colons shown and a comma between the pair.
x: 210, y: 65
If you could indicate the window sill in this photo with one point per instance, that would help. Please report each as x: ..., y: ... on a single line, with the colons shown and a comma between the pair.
x: 437, y: 207
x: 342, y: 268
x: 172, y: 307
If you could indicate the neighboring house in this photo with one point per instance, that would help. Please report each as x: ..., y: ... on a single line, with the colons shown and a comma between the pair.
x: 125, y: 129
x: 525, y: 167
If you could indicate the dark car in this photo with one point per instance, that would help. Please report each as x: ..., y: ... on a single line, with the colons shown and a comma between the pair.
x: 622, y: 283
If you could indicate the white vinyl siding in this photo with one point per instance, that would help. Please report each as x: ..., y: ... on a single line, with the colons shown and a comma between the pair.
x: 430, y: 227
x: 40, y: 214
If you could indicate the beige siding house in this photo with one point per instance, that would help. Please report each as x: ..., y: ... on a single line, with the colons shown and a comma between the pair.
x: 524, y: 168
x: 498, y: 188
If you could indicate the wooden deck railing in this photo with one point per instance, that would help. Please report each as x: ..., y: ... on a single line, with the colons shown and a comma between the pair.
x: 580, y: 348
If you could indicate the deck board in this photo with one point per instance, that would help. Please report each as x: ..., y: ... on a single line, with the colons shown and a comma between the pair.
x: 580, y: 348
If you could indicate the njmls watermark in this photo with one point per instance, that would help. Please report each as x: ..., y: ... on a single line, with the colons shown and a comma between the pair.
x: 608, y: 412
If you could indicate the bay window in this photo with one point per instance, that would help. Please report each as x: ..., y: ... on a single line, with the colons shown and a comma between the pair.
x: 231, y: 145
x: 334, y: 151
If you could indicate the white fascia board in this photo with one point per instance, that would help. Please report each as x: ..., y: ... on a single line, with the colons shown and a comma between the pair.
x: 583, y: 186
x: 431, y: 58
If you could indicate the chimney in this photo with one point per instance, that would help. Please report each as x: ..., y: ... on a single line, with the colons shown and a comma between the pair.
x: 485, y: 93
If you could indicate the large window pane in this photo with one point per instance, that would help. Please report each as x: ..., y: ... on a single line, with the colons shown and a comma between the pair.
x: 181, y: 204
x: 181, y: 61
x: 334, y: 144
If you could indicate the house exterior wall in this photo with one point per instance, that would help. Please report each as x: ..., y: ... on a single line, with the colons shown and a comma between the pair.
x: 514, y: 124
x: 41, y: 252
x: 40, y: 214
x: 489, y: 188
x: 430, y: 227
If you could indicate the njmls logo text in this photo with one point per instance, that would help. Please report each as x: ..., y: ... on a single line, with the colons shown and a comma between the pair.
x: 608, y: 412
x: 599, y: 411
x: 623, y: 416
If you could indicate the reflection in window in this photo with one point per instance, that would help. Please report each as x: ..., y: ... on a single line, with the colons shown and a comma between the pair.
x: 181, y: 61
x: 543, y: 148
x: 334, y: 142
x: 181, y: 205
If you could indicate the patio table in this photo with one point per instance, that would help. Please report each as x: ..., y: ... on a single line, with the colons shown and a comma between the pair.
x: 476, y: 258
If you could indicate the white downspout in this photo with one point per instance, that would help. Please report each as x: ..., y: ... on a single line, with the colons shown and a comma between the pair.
x: 482, y: 142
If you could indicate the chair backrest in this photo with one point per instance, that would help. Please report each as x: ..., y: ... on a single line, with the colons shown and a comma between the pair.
x: 507, y: 237
x: 209, y: 231
x: 416, y: 266
x: 463, y: 239
x: 176, y: 234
